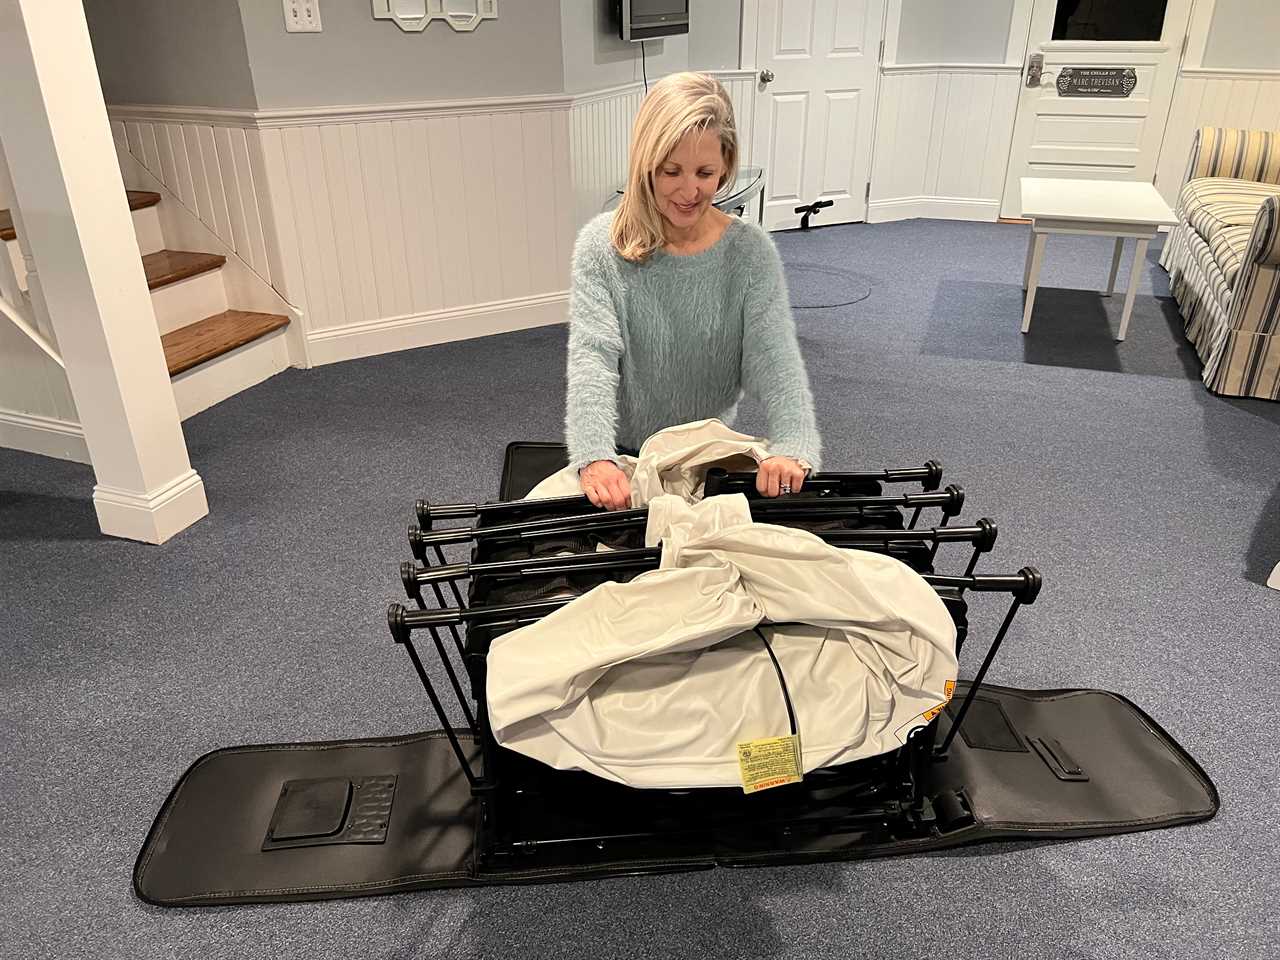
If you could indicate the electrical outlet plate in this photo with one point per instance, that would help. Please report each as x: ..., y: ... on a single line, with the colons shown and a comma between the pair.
x: 414, y: 16
x: 302, y: 16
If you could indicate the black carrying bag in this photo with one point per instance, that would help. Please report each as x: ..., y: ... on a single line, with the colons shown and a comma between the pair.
x: 290, y: 822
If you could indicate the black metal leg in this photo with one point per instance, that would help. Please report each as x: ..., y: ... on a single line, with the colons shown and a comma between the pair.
x: 457, y: 637
x: 933, y: 552
x: 427, y: 685
x: 457, y: 594
x: 453, y: 679
x: 982, y: 672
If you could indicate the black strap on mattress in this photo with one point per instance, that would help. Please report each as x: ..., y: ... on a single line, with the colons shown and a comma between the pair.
x: 782, y: 681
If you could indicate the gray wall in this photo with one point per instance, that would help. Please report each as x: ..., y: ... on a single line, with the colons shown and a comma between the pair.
x: 715, y: 28
x: 944, y: 31
x: 357, y: 59
x: 235, y: 53
x: 1244, y: 35
x: 595, y: 57
x: 171, y: 52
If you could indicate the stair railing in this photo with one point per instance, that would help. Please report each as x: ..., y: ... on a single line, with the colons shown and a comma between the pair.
x: 14, y: 304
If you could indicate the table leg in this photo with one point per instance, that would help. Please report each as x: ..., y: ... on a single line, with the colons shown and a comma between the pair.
x: 1026, y: 267
x: 1115, y: 266
x: 1033, y: 278
x: 1139, y: 260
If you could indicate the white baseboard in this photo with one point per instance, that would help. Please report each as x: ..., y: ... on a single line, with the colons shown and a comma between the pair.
x: 441, y: 326
x: 151, y: 517
x: 61, y: 439
x: 937, y: 208
x: 201, y: 387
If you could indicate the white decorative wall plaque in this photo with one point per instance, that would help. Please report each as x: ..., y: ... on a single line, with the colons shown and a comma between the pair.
x: 413, y: 16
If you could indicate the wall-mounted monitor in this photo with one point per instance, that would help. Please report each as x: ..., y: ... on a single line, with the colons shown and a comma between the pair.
x: 649, y: 19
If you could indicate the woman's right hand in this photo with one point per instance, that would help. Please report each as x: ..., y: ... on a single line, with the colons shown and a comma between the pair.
x: 605, y: 485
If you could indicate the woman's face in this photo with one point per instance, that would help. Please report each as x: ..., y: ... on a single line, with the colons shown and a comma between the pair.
x: 687, y: 180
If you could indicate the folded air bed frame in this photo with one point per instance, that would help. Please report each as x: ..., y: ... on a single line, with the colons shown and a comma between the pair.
x: 451, y: 807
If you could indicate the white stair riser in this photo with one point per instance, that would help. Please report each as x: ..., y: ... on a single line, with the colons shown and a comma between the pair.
x: 203, y: 386
x: 146, y: 227
x: 187, y: 301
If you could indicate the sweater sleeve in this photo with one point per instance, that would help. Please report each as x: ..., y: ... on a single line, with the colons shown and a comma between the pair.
x: 595, y: 347
x: 772, y: 369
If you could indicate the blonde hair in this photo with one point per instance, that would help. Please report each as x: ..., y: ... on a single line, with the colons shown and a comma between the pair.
x: 676, y: 105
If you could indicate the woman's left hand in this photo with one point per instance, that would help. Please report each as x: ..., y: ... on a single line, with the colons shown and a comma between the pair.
x: 779, y: 475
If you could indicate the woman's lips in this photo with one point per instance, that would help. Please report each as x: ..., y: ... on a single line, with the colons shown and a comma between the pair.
x: 686, y: 208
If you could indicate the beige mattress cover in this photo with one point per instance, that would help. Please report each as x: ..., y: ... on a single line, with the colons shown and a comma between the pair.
x: 654, y: 682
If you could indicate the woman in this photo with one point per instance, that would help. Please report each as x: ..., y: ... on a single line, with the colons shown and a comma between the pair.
x: 676, y: 308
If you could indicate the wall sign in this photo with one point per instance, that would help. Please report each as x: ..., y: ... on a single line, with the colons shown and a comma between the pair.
x: 414, y: 16
x: 1096, y: 81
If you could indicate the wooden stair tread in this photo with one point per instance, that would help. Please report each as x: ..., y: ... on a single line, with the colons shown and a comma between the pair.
x: 141, y: 199
x: 169, y: 266
x: 211, y: 337
x: 138, y: 200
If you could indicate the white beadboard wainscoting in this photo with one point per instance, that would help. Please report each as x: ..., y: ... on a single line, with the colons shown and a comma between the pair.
x: 1213, y: 98
x: 942, y: 140
x: 387, y: 227
x: 396, y: 226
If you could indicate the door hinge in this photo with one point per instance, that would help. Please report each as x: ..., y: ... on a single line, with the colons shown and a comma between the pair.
x: 867, y: 196
x: 881, y: 51
x: 1186, y: 38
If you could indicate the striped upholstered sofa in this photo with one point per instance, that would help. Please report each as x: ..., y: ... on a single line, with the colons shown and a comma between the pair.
x: 1223, y: 259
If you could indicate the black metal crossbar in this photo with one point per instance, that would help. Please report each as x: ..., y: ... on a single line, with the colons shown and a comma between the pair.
x: 928, y: 476
x: 950, y: 501
x: 981, y: 534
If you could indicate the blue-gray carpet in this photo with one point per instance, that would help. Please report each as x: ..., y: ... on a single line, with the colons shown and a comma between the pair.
x: 1151, y: 506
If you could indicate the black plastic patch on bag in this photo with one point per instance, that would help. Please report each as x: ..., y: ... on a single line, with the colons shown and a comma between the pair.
x: 987, y: 727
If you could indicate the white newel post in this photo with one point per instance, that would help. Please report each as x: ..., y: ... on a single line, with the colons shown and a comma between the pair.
x: 53, y: 123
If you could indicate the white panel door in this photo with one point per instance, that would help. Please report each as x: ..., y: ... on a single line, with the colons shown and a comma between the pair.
x: 1092, y: 137
x: 813, y: 119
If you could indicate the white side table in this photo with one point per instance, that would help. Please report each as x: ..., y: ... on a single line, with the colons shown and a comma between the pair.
x: 1104, y: 208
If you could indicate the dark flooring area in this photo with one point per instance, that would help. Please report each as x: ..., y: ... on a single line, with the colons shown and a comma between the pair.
x: 1151, y: 506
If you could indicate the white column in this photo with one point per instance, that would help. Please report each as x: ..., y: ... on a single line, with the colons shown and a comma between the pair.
x: 67, y: 181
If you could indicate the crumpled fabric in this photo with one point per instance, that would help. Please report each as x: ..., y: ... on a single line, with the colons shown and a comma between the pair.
x: 675, y: 461
x: 654, y: 682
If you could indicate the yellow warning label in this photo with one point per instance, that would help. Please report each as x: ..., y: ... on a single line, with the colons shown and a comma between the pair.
x: 932, y: 712
x: 949, y: 688
x: 769, y: 763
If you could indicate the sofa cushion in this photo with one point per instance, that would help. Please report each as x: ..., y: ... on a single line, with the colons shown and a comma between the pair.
x: 1222, y: 211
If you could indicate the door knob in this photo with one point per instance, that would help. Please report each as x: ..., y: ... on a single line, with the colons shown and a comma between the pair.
x: 766, y: 76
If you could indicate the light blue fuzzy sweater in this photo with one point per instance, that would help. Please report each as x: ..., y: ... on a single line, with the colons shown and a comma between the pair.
x: 681, y: 338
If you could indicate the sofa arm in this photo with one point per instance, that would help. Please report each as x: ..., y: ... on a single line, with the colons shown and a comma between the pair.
x: 1264, y: 241
x: 1233, y: 152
